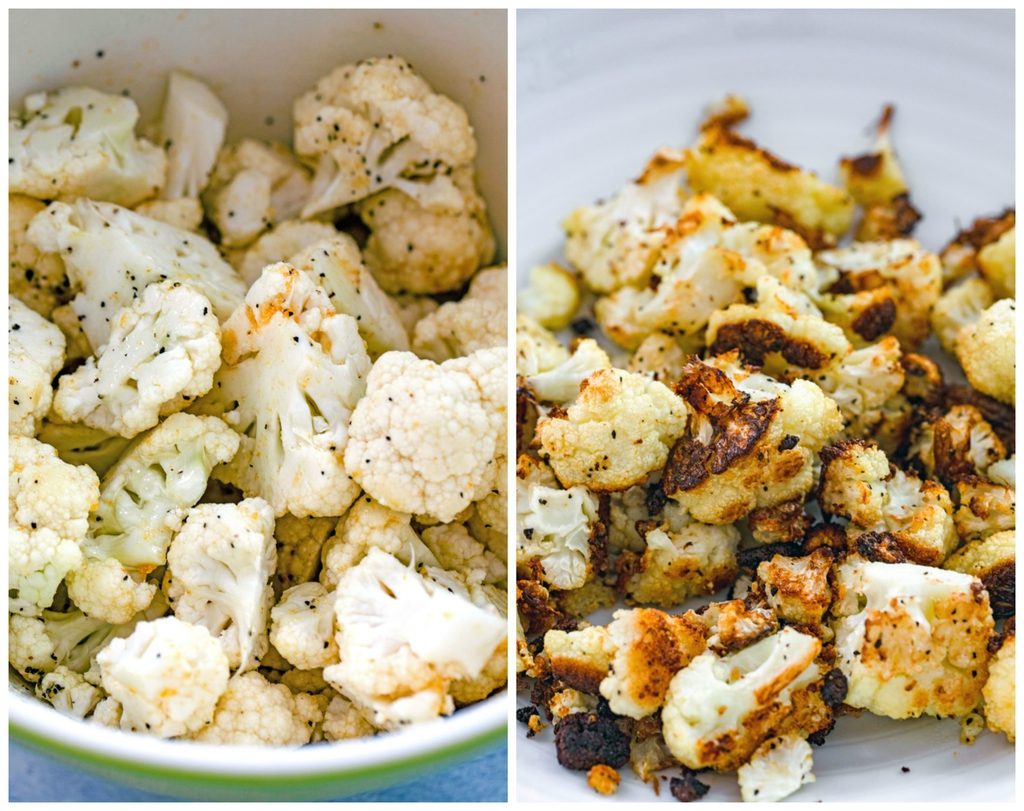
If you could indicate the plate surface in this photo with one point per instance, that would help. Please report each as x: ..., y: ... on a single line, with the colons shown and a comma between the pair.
x: 598, y: 92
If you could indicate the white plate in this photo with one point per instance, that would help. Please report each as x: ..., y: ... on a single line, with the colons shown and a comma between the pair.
x: 599, y: 91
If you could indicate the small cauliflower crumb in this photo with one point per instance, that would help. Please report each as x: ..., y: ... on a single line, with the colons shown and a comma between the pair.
x: 603, y: 779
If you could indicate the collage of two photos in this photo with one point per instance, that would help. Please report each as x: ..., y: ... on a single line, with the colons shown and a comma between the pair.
x: 326, y: 363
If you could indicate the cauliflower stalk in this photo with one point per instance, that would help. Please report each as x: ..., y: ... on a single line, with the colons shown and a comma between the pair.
x: 192, y: 130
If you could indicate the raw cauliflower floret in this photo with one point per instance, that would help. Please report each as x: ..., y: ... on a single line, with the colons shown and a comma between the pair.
x: 418, y: 248
x: 911, y: 639
x: 986, y: 351
x: 782, y: 331
x: 997, y: 263
x: 294, y: 426
x: 302, y: 626
x: 162, y: 352
x: 369, y: 525
x: 553, y: 527
x: 488, y: 522
x: 253, y: 711
x: 660, y: 357
x: 403, y: 638
x: 425, y: 437
x: 561, y: 383
x: 69, y: 692
x: 719, y: 709
x: 913, y: 274
x: 253, y: 186
x: 35, y: 353
x: 778, y: 768
x: 375, y: 125
x: 113, y: 253
x: 751, y: 440
x: 457, y: 328
x: 759, y: 186
x: 958, y: 307
x: 143, y: 500
x: 284, y: 240
x: 299, y: 543
x: 551, y: 296
x: 343, y: 721
x: 615, y: 243
x: 797, y: 588
x: 858, y: 483
x: 619, y: 429
x: 35, y: 277
x: 650, y: 648
x: 183, y: 213
x: 49, y: 502
x: 338, y: 268
x: 537, y: 350
x: 168, y: 676
x: 457, y: 551
x: 993, y: 561
x: 79, y: 142
x: 192, y: 130
x: 1000, y: 691
x: 218, y: 575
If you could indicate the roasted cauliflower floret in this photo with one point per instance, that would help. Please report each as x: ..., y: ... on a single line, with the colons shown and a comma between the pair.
x: 554, y: 528
x: 537, y: 350
x: 757, y: 185
x: 369, y: 525
x: 865, y: 384
x: 960, y: 256
x: 619, y: 429
x: 417, y: 247
x: 279, y: 244
x: 719, y: 709
x: 997, y: 263
x: 580, y: 659
x: 79, y: 142
x: 168, y: 676
x: 961, y: 305
x: 35, y: 354
x: 113, y: 253
x: 162, y: 353
x: 993, y: 561
x: 302, y: 626
x: 959, y: 444
x: 650, y: 648
x: 294, y: 427
x: 659, y: 356
x: 192, y: 127
x: 403, y: 638
x: 1000, y: 691
x: 561, y: 383
x: 375, y: 125
x: 551, y: 297
x: 751, y: 441
x: 797, y: 588
x: 985, y: 507
x: 343, y: 721
x: 986, y: 351
x: 425, y: 437
x: 255, y: 712
x: 911, y: 640
x: 143, y: 500
x: 778, y: 768
x: 49, y: 502
x: 615, y: 243
x: 253, y: 186
x: 912, y: 274
x: 218, y: 576
x: 695, y: 560
x: 36, y: 277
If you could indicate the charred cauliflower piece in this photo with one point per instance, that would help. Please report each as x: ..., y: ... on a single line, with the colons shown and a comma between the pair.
x: 960, y: 256
x: 615, y: 243
x: 797, y: 588
x: 911, y: 640
x: 751, y: 441
x: 993, y: 561
x: 619, y: 429
x: 986, y: 351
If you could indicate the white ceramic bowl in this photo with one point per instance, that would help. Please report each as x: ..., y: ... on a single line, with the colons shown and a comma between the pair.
x: 258, y: 61
x: 598, y: 92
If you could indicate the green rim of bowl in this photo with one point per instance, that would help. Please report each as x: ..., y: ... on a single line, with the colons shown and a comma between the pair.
x: 311, y: 782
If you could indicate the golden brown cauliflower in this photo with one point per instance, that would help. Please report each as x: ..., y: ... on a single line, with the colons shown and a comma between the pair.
x: 993, y: 561
x: 797, y: 588
x: 987, y: 353
x: 619, y: 429
x: 1000, y: 690
x: 960, y: 256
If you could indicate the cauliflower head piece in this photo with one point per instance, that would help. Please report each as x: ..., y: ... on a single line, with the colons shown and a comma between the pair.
x: 960, y: 305
x: 375, y: 125
x: 36, y: 277
x: 620, y: 429
x: 35, y: 354
x: 192, y: 127
x: 79, y: 142
x: 168, y: 676
x: 113, y: 253
x: 302, y: 626
x: 1000, y: 691
x: 911, y: 639
x: 459, y: 328
x: 219, y: 567
x: 561, y: 383
x: 162, y: 353
x: 987, y: 352
x: 283, y: 241
x: 68, y: 692
x: 425, y: 438
x: 404, y: 637
x: 294, y: 428
x: 551, y: 296
x: 49, y: 502
x: 778, y: 768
